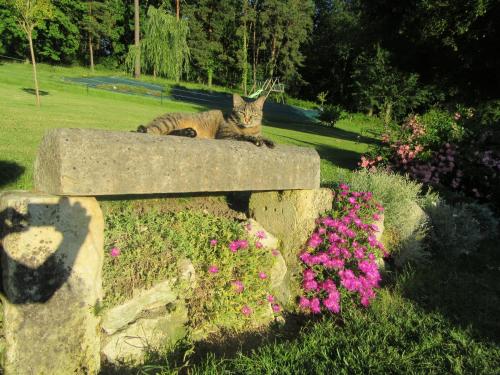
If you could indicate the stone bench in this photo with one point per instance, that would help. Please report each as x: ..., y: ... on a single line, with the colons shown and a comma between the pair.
x: 52, y: 238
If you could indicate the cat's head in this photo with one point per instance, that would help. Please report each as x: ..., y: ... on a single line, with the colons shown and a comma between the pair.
x: 247, y: 114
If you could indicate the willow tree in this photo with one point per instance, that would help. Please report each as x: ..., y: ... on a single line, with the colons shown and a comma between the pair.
x: 30, y: 14
x: 164, y: 45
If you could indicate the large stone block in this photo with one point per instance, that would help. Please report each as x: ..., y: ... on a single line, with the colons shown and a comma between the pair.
x: 291, y: 217
x: 98, y: 162
x: 52, y: 257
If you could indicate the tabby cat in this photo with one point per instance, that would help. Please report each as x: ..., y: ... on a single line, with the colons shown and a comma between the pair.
x: 242, y: 124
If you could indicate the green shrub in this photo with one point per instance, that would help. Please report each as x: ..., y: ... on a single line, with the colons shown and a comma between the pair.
x: 440, y: 128
x: 488, y: 114
x: 330, y: 114
x: 459, y: 229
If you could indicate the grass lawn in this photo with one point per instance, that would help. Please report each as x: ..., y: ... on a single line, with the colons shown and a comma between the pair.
x: 22, y: 124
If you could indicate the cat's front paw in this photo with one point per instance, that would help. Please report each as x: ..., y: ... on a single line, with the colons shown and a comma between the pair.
x: 190, y: 132
x: 268, y: 143
x: 142, y: 129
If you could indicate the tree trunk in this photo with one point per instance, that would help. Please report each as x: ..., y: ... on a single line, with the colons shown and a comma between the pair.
x: 244, y: 75
x: 137, y: 70
x: 210, y: 73
x: 388, y: 113
x: 178, y: 10
x: 254, y: 62
x: 91, y: 52
x: 37, y: 93
x: 273, y: 56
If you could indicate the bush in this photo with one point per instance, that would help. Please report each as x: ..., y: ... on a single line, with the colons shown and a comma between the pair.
x: 340, y: 261
x: 459, y: 230
x: 330, y: 114
x: 440, y: 127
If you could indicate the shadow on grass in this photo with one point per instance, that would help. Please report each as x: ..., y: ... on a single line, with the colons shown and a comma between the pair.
x: 9, y: 172
x: 226, y: 345
x: 339, y: 157
x: 465, y: 291
x: 33, y: 92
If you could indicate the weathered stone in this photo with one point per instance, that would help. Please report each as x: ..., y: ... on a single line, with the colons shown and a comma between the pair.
x: 290, y: 216
x: 146, y: 335
x: 98, y: 162
x: 118, y: 317
x: 279, y: 285
x: 52, y: 261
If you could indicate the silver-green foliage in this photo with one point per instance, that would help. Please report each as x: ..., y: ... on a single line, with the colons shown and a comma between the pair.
x: 406, y: 224
x: 459, y: 229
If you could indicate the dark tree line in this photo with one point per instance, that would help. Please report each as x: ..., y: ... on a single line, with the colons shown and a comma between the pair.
x: 373, y: 55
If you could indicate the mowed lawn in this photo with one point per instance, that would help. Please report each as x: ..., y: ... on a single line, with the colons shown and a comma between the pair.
x: 22, y: 124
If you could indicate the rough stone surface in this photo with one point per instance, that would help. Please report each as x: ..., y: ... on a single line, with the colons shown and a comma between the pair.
x: 279, y: 283
x: 118, y: 317
x: 290, y: 216
x: 52, y: 257
x: 98, y: 162
x: 151, y: 333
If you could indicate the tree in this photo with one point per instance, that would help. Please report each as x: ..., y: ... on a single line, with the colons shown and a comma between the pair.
x: 30, y: 13
x: 98, y: 22
x: 137, y: 42
x: 164, y: 45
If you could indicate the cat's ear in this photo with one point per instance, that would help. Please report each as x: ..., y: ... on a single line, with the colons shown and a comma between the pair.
x: 238, y: 101
x: 260, y: 102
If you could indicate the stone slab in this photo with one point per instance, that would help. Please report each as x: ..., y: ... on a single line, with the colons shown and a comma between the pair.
x: 97, y: 162
x: 51, y: 258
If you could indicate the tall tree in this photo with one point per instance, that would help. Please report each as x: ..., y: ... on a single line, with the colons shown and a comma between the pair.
x: 30, y: 13
x: 137, y: 42
x: 99, y: 22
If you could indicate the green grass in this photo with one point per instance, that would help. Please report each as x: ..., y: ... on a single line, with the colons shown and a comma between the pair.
x: 22, y: 124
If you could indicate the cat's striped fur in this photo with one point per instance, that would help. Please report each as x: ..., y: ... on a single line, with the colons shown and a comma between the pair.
x: 243, y: 123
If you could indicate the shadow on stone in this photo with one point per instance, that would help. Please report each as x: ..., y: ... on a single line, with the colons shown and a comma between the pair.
x: 9, y: 172
x: 37, y: 284
x: 33, y: 92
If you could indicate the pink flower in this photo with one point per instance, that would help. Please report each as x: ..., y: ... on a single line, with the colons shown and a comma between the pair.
x: 315, y: 305
x: 245, y: 310
x: 243, y: 244
x: 262, y: 275
x: 310, y: 285
x: 275, y: 252
x: 248, y: 227
x: 238, y: 286
x: 344, y: 186
x: 213, y: 269
x: 114, y: 252
x: 270, y: 298
x: 213, y: 242
x: 234, y: 246
x: 276, y: 308
x: 258, y: 244
x: 260, y: 234
x: 304, y: 303
x: 315, y: 240
x: 308, y: 274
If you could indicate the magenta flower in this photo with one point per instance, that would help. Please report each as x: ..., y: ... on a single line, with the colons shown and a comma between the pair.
x: 308, y: 274
x: 315, y: 305
x: 243, y: 244
x: 259, y: 245
x: 304, y: 303
x: 238, y: 286
x: 114, y: 252
x: 213, y: 242
x: 234, y: 246
x: 245, y: 310
x: 262, y: 275
x: 315, y: 240
x: 213, y: 269
x: 270, y: 298
x: 276, y: 308
x: 260, y: 234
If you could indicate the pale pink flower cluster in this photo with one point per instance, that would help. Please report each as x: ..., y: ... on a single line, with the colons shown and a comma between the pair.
x: 342, y: 253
